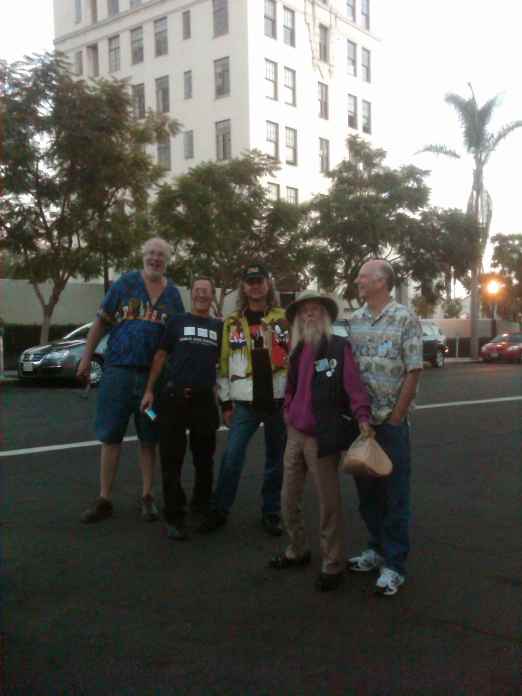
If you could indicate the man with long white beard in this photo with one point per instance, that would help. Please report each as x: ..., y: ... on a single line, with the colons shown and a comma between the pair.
x: 325, y: 399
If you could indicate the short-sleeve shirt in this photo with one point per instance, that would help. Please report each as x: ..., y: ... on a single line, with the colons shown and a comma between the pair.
x: 137, y: 325
x: 193, y: 345
x: 386, y: 347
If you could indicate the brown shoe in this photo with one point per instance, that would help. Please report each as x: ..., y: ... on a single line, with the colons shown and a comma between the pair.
x: 149, y: 511
x: 100, y: 510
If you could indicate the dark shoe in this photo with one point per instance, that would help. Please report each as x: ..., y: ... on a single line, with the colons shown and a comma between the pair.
x: 100, y: 510
x: 282, y: 561
x: 272, y: 525
x: 149, y: 511
x: 177, y: 532
x: 326, y: 582
x: 214, y: 520
x: 199, y: 508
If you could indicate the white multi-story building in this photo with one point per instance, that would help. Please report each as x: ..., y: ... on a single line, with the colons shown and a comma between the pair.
x: 288, y: 77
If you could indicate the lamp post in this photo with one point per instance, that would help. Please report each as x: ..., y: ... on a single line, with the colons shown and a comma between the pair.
x: 493, y: 288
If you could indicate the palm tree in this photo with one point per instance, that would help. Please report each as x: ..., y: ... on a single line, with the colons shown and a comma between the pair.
x: 480, y: 143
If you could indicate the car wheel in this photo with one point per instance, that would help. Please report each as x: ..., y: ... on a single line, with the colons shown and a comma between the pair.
x: 96, y: 372
x: 439, y: 359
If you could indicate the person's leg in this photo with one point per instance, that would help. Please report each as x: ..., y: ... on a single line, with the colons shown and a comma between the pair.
x: 173, y: 443
x: 371, y: 509
x: 203, y: 446
x: 110, y: 459
x: 395, y: 440
x: 294, y: 479
x: 148, y: 436
x: 275, y: 440
x: 244, y: 424
x: 325, y: 474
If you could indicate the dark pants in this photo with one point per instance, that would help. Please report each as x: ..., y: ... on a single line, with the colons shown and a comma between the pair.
x: 384, y: 503
x: 177, y: 414
x: 244, y: 424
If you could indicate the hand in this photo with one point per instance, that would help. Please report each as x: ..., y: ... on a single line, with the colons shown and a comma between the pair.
x: 227, y: 416
x: 83, y: 373
x: 395, y: 420
x: 147, y: 401
x: 366, y: 430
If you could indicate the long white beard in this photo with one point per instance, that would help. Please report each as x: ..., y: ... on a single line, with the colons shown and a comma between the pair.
x: 312, y: 332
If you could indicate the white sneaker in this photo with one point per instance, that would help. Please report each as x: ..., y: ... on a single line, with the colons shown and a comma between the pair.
x: 388, y: 582
x: 367, y: 561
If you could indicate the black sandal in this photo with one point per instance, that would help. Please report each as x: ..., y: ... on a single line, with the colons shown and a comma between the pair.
x: 282, y: 561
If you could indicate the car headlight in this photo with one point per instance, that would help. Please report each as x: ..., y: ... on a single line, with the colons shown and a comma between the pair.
x: 58, y: 354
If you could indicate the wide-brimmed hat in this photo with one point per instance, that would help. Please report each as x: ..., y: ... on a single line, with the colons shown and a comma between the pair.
x: 312, y: 296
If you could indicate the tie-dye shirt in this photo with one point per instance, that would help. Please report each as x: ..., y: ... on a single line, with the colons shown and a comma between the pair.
x: 137, y: 326
x: 386, y: 347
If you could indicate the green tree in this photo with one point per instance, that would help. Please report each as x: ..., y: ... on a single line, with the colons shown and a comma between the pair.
x: 480, y: 143
x: 424, y: 308
x: 507, y: 258
x: 74, y: 173
x: 452, y: 308
x: 367, y: 212
x: 218, y: 217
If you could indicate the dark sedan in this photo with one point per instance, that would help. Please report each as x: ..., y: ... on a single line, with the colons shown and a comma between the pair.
x: 60, y: 359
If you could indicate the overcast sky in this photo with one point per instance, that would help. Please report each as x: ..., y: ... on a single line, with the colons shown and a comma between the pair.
x: 429, y: 47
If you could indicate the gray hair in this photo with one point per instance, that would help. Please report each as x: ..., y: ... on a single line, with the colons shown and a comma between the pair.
x: 385, y: 270
x: 298, y: 332
x: 167, y: 249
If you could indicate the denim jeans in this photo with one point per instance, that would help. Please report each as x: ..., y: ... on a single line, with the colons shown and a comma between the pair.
x: 244, y: 424
x: 384, y: 503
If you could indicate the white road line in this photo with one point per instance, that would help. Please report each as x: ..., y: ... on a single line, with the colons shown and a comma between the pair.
x: 133, y: 438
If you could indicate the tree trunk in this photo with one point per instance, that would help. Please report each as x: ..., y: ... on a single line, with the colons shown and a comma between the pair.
x: 46, y: 325
x: 474, y: 309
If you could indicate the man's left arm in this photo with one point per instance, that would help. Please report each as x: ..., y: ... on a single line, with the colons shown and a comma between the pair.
x: 411, y: 348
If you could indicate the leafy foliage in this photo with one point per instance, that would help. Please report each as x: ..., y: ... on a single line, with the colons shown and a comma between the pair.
x: 74, y: 172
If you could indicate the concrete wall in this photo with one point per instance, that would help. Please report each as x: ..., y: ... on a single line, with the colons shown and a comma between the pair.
x: 461, y: 327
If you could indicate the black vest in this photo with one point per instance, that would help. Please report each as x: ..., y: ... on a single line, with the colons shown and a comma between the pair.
x: 335, y: 429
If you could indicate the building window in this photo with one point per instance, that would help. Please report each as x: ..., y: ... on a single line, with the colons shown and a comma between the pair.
x: 162, y: 95
x: 223, y: 140
x: 94, y: 11
x: 366, y: 65
x: 352, y: 58
x: 291, y: 146
x: 352, y: 111
x: 78, y: 63
x: 350, y: 9
x: 323, y: 43
x: 324, y: 156
x: 273, y: 191
x: 188, y: 144
x: 322, y: 93
x: 292, y: 195
x: 270, y: 19
x: 365, y: 12
x: 161, y: 38
x: 272, y: 139
x: 271, y: 79
x: 138, y: 101
x: 288, y: 26
x: 366, y: 117
x: 290, y: 87
x: 164, y: 155
x: 114, y: 54
x: 78, y: 11
x: 220, y: 16
x: 137, y: 45
x: 93, y: 60
x: 222, y: 77
x: 186, y: 28
x: 113, y: 7
x: 187, y: 84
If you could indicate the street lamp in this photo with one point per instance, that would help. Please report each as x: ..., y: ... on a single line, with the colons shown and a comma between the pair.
x: 493, y: 288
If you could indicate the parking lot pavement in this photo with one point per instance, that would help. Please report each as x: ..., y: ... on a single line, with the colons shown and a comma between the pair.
x: 117, y: 609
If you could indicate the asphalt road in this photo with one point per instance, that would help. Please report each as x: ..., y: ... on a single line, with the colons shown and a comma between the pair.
x: 117, y: 609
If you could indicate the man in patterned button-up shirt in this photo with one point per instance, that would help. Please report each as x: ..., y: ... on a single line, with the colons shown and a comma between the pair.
x: 387, y: 342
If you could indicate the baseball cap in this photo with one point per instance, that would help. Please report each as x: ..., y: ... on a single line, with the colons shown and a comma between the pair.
x: 255, y: 270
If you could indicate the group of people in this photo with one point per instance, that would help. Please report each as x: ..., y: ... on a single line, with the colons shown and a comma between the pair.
x: 314, y: 392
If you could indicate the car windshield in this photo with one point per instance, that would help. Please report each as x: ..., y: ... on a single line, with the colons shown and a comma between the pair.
x: 500, y: 338
x: 77, y: 334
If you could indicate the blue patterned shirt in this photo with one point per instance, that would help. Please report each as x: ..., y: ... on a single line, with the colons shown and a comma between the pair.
x: 386, y: 347
x: 137, y: 326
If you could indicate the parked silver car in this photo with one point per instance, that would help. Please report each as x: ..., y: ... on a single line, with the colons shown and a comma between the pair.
x: 59, y: 359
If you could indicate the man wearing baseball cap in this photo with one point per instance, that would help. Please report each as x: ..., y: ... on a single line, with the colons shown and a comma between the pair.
x: 325, y: 400
x: 251, y: 386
